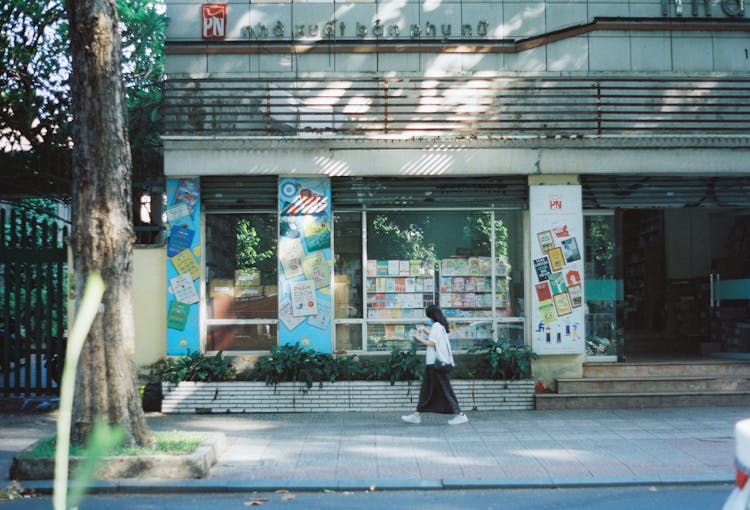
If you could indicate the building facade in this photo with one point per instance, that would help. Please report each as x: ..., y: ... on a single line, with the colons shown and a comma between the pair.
x: 569, y: 175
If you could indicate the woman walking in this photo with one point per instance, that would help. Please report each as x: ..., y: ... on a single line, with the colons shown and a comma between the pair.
x: 436, y: 394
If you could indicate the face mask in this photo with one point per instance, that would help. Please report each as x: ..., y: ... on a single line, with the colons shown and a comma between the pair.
x: 430, y: 322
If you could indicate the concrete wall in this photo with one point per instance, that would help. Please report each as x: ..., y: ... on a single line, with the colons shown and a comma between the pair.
x: 149, y: 309
x: 610, y: 51
x: 549, y: 368
x: 341, y: 396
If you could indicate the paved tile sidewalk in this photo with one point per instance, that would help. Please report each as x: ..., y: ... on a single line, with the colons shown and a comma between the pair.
x: 507, y: 448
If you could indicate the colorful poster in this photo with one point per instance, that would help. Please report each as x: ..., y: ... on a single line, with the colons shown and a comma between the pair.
x: 187, y: 192
x: 570, y: 250
x: 317, y: 232
x: 546, y: 241
x: 557, y: 283
x: 290, y: 257
x: 304, y: 301
x: 576, y: 295
x: 183, y: 266
x: 179, y: 214
x: 542, y: 268
x: 183, y: 289
x: 177, y: 316
x: 547, y: 311
x: 556, y: 257
x: 542, y: 291
x: 305, y: 289
x: 186, y: 262
x: 180, y: 238
x: 286, y: 315
x: 323, y: 317
x: 317, y: 269
x: 556, y: 260
x: 562, y: 304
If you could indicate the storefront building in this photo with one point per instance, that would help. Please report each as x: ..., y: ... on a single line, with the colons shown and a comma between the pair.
x: 569, y: 175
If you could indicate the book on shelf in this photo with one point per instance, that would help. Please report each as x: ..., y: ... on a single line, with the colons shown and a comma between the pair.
x: 399, y: 285
x: 410, y: 284
x: 393, y: 267
x: 404, y: 268
x: 473, y: 267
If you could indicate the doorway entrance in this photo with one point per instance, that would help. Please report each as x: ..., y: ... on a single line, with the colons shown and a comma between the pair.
x: 686, y: 282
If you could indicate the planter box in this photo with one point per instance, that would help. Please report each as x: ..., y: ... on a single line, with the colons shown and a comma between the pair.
x: 341, y: 396
x: 164, y: 467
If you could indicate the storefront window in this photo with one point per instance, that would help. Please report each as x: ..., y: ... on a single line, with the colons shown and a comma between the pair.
x: 347, y: 274
x: 418, y: 258
x: 602, y: 288
x: 241, y: 282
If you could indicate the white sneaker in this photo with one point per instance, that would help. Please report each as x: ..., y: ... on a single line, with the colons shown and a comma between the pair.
x: 412, y: 418
x: 458, y: 419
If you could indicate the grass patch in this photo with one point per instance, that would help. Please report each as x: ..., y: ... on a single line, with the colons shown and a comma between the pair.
x: 173, y: 442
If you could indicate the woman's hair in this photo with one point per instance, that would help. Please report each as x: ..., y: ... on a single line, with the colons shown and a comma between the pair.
x: 436, y: 314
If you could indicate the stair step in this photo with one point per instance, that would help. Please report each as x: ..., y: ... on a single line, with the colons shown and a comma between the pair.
x: 651, y: 384
x: 713, y: 368
x: 557, y: 401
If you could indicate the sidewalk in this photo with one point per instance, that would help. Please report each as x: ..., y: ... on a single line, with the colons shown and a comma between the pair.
x: 338, y: 451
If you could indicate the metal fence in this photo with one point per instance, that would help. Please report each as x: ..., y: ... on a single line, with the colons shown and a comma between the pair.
x: 33, y: 263
x: 456, y: 106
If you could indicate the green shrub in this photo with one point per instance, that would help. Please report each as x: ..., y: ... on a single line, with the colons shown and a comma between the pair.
x: 196, y: 366
x: 296, y: 364
x: 401, y: 366
x: 503, y: 361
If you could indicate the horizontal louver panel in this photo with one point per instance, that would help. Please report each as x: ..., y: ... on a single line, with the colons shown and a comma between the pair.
x: 640, y: 191
x: 239, y: 192
x: 384, y: 192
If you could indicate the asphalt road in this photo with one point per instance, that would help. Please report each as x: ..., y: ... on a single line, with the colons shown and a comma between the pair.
x: 684, y: 497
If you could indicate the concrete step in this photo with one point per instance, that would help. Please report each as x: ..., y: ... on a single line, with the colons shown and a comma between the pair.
x: 587, y: 385
x: 556, y: 401
x: 714, y: 368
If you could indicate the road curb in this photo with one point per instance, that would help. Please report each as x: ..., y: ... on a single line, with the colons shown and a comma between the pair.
x: 239, y: 486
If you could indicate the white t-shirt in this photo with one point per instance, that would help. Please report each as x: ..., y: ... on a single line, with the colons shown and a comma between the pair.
x: 442, y: 347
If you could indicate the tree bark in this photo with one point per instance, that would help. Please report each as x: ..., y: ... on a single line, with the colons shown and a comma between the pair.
x: 102, y: 233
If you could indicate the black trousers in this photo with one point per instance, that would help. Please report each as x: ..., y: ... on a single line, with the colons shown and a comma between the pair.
x: 436, y: 394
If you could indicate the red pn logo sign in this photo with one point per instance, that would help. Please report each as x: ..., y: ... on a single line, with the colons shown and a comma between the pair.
x: 214, y: 21
x: 555, y: 202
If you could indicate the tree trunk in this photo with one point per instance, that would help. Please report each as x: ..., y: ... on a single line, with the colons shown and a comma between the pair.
x: 102, y: 233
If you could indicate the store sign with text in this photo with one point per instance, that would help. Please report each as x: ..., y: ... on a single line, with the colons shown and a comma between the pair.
x: 214, y: 21
x: 557, y: 312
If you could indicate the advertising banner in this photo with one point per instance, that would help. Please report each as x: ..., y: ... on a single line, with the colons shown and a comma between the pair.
x: 183, y: 265
x: 305, y: 264
x: 557, y: 311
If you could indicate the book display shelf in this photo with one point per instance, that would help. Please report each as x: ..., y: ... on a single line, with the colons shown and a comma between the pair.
x: 398, y: 291
x: 466, y: 298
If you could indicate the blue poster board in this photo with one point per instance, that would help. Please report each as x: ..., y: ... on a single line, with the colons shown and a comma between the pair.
x: 183, y: 265
x: 305, y: 263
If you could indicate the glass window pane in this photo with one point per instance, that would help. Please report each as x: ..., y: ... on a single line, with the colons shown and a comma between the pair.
x: 601, y: 285
x: 241, y: 271
x: 241, y: 337
x: 417, y: 258
x: 348, y: 267
x: 349, y: 337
